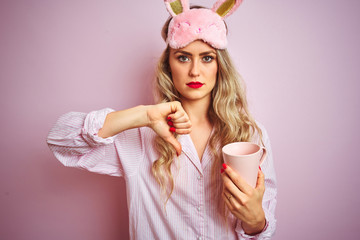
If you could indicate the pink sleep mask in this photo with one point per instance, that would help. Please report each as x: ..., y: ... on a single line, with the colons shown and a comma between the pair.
x: 188, y: 25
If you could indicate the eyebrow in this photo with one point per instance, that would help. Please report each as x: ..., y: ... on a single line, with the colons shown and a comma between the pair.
x: 189, y: 54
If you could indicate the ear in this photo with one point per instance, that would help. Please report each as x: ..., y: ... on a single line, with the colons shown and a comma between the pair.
x: 176, y: 7
x: 226, y: 7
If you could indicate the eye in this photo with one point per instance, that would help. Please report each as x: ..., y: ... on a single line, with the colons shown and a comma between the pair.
x: 208, y: 59
x: 183, y: 58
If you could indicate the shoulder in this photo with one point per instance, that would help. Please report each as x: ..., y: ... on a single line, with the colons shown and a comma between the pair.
x: 263, y: 135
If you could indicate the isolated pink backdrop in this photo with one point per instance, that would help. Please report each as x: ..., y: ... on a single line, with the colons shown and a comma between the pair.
x: 300, y: 60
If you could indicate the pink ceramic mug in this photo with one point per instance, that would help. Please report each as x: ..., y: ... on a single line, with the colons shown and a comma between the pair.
x: 245, y: 158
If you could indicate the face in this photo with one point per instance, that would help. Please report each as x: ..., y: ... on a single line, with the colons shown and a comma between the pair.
x: 194, y: 70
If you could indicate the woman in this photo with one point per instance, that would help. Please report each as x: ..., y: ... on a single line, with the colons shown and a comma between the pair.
x: 170, y: 153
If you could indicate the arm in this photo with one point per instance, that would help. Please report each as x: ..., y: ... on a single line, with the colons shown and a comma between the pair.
x: 254, y: 207
x: 119, y: 121
x: 75, y: 143
x: 87, y: 140
x: 154, y: 116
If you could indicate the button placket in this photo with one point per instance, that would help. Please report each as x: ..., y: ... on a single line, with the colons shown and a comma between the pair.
x: 200, y: 204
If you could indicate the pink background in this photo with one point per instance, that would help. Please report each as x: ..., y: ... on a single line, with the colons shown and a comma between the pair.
x: 300, y: 60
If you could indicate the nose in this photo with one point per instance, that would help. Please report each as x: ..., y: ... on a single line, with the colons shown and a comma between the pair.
x: 195, y: 69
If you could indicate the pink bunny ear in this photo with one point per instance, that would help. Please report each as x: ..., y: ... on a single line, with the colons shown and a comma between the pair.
x: 175, y: 7
x: 226, y: 7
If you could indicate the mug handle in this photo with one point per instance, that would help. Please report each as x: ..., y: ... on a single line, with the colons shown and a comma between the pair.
x: 263, y: 156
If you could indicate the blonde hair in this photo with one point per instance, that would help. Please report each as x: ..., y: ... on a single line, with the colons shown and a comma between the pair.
x: 228, y: 114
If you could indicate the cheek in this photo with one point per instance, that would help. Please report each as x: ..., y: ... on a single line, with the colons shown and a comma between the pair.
x: 176, y: 69
x: 212, y: 71
x: 176, y: 75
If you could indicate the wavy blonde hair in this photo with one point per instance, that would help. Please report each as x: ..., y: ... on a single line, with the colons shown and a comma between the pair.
x: 228, y: 114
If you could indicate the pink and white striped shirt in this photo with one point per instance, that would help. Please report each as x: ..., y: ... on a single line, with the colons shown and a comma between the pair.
x: 192, y: 211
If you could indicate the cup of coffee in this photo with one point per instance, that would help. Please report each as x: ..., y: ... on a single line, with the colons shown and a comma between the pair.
x: 244, y: 158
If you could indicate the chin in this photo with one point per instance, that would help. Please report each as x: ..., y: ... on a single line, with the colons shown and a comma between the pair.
x: 194, y: 97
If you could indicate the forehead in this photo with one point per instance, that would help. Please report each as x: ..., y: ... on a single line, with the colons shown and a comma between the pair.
x: 196, y: 47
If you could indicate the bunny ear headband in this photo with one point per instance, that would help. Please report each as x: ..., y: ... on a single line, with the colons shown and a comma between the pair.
x: 188, y: 25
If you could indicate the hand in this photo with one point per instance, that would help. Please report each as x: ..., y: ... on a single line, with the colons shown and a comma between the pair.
x: 159, y: 115
x: 244, y: 201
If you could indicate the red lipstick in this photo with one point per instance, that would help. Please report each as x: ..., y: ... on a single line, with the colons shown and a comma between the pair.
x: 195, y: 84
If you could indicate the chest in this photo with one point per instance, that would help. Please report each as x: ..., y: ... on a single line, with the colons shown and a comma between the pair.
x: 200, y: 137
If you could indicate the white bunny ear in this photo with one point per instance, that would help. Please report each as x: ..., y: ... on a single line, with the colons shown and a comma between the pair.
x: 175, y: 7
x: 226, y: 7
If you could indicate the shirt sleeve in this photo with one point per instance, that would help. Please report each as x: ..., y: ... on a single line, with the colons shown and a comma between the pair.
x: 269, y: 199
x: 74, y: 141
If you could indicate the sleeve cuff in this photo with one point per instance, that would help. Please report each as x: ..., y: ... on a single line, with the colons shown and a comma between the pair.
x: 94, y: 121
x: 242, y: 233
x: 266, y: 233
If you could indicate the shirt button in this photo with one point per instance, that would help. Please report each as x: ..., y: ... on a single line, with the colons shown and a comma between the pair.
x: 199, y: 177
x: 199, y: 238
x: 199, y: 208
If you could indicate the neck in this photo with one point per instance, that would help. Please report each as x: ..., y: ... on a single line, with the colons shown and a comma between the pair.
x: 198, y: 111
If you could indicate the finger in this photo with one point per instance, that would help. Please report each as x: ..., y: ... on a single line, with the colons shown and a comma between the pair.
x: 182, y: 125
x: 180, y: 131
x: 260, y: 183
x: 231, y: 189
x: 175, y: 106
x: 183, y: 131
x: 237, y: 180
x: 231, y: 198
x: 174, y: 142
x: 227, y: 201
x: 230, y: 205
x: 176, y: 115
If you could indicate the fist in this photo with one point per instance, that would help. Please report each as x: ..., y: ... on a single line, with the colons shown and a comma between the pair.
x: 168, y: 118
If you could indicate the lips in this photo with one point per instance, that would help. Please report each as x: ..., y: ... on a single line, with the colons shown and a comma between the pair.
x: 195, y: 84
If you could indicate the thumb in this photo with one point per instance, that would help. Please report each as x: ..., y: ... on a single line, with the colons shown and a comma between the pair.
x: 174, y: 142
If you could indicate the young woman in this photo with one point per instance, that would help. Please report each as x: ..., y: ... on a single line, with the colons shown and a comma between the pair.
x: 170, y: 153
